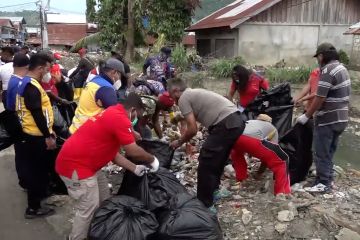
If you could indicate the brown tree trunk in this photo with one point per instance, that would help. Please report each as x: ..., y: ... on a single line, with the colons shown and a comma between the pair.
x: 130, y: 46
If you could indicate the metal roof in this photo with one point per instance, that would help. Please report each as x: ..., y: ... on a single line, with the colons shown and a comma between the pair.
x: 17, y: 19
x: 233, y: 14
x: 65, y: 18
x: 66, y: 34
x: 354, y: 29
x: 6, y: 22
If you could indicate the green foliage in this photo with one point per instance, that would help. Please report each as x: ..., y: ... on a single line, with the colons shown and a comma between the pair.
x: 344, y: 58
x: 90, y: 10
x: 193, y: 79
x: 179, y: 58
x: 222, y: 68
x: 169, y: 17
x: 82, y: 43
x: 293, y: 75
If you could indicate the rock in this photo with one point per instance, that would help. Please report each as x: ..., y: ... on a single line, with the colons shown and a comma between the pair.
x: 281, y: 227
x: 229, y: 171
x: 237, y: 197
x: 302, y: 228
x: 329, y: 223
x: 328, y: 196
x: 347, y: 234
x: 246, y: 216
x: 285, y: 216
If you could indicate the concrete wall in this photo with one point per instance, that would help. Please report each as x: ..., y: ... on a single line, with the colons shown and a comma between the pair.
x: 270, y: 43
x: 355, y: 52
x: 214, y: 34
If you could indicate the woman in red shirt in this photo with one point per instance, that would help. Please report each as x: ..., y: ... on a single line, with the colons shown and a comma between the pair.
x: 248, y: 84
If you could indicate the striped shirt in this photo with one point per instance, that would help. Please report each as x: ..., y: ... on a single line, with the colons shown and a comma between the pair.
x: 335, y: 86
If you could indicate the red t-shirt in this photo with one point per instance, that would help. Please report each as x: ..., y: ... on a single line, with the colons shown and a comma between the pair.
x: 314, y: 82
x: 50, y: 87
x: 255, y: 84
x: 95, y: 143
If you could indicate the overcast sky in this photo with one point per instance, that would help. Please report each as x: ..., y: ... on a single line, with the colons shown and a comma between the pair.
x: 63, y: 6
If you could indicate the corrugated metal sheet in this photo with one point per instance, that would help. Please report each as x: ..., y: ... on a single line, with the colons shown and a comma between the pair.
x: 353, y: 30
x: 233, y: 14
x: 314, y: 11
x: 5, y: 22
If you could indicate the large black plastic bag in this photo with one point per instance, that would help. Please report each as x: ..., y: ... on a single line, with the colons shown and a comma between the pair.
x: 154, y: 189
x: 10, y: 129
x: 188, y: 219
x: 60, y: 126
x: 122, y: 217
x: 277, y: 103
x: 297, y: 144
x: 160, y: 149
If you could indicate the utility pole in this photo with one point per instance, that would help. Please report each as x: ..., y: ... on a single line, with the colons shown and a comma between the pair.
x: 43, y: 25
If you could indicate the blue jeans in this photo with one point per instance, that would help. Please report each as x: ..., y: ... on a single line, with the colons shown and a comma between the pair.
x: 325, y: 142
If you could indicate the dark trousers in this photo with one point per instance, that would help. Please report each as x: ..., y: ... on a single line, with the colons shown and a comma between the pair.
x: 3, y: 98
x: 32, y: 163
x: 325, y: 142
x: 18, y: 164
x: 214, y: 155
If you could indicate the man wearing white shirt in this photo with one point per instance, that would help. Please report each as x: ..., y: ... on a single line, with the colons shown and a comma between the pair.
x: 6, y: 70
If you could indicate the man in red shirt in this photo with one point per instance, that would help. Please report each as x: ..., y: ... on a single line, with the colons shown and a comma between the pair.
x: 248, y: 84
x: 91, y: 147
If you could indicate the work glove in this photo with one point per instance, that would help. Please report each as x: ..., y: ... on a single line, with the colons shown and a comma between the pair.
x: 154, y: 165
x: 140, y: 170
x: 302, y: 119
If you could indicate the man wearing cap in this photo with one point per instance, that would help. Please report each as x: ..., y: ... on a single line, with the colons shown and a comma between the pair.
x: 331, y: 108
x: 91, y: 147
x: 153, y: 107
x: 98, y: 94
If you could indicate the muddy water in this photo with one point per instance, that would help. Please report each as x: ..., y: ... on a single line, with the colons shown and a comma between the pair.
x: 348, y: 152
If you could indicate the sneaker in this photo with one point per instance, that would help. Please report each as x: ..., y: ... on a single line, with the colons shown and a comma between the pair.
x: 213, y: 209
x: 318, y: 188
x: 41, y: 212
x: 219, y: 194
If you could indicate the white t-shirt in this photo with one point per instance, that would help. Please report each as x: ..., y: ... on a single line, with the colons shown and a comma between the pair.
x: 6, y: 71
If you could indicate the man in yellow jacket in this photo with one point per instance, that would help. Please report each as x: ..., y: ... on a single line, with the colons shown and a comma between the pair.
x: 98, y: 94
x: 36, y: 116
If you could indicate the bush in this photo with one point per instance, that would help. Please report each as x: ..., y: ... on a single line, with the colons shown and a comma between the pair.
x: 222, y: 68
x: 179, y: 58
x: 344, y: 58
x: 293, y: 75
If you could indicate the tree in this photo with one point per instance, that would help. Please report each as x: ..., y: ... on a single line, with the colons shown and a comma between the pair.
x: 121, y: 21
x: 90, y: 10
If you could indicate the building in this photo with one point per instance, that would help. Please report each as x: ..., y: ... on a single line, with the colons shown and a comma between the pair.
x: 20, y: 26
x: 354, y: 30
x: 8, y: 32
x: 267, y: 31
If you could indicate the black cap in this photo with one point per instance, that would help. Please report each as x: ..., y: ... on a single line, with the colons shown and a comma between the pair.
x: 21, y: 60
x: 324, y: 47
x: 166, y: 50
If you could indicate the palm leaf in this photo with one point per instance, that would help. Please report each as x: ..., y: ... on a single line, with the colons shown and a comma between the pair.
x: 91, y: 39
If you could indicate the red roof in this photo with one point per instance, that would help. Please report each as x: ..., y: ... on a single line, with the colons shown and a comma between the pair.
x: 6, y: 22
x: 188, y: 40
x: 233, y: 14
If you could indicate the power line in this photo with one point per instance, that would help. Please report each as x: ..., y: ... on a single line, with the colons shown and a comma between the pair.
x: 15, y: 5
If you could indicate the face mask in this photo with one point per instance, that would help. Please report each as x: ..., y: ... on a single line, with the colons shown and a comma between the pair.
x: 117, y: 85
x: 134, y: 122
x: 46, y: 78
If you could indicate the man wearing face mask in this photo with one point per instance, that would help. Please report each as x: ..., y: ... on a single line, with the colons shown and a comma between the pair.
x: 36, y: 116
x: 99, y: 93
x: 91, y: 147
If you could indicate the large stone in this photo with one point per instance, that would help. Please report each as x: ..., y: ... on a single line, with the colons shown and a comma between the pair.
x: 347, y: 234
x: 281, y: 227
x: 302, y: 229
x: 285, y: 216
x: 246, y: 216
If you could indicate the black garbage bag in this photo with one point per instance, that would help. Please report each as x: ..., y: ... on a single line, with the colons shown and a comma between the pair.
x: 60, y: 126
x: 122, y: 217
x: 154, y: 189
x: 277, y: 103
x: 10, y: 129
x: 161, y: 150
x: 297, y: 144
x: 188, y: 219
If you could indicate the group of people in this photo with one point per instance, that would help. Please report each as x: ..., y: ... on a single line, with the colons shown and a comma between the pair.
x: 112, y: 113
